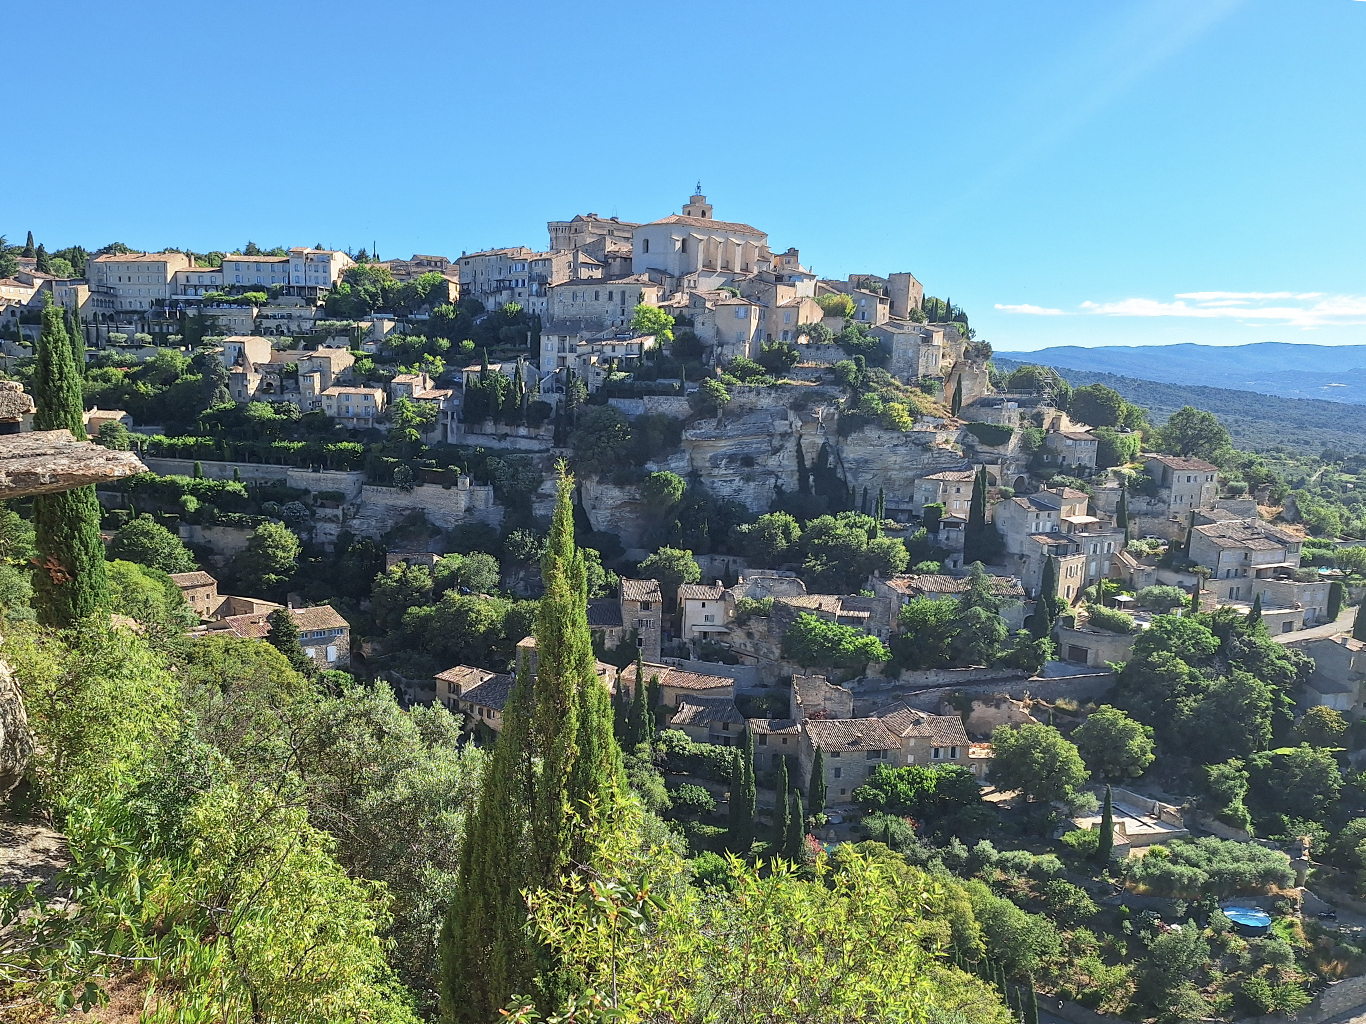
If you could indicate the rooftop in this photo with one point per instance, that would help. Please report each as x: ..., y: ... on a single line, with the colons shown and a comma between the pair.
x: 464, y: 676
x: 640, y: 590
x: 707, y: 222
x: 491, y: 693
x: 604, y: 612
x: 185, y: 580
x: 682, y: 679
x: 851, y: 734
x: 944, y: 730
x: 700, y: 592
x: 912, y: 584
x: 1182, y: 465
x: 696, y: 711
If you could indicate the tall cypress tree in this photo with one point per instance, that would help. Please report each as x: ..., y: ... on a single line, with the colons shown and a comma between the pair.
x: 555, y: 777
x: 1359, y: 623
x: 796, y: 831
x: 1254, y: 616
x: 748, y: 795
x: 956, y: 403
x: 1122, y: 515
x: 29, y: 252
x: 781, y: 809
x: 976, y: 543
x: 73, y: 331
x: 1107, y: 828
x: 1195, y: 598
x: 71, y: 582
x: 1032, y: 1007
x: 1046, y: 607
x: 815, y: 791
x: 881, y: 507
x: 735, y: 841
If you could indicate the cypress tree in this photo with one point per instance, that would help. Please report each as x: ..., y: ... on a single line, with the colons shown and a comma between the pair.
x: 815, y: 792
x: 863, y: 504
x: 635, y: 717
x: 1334, y: 600
x: 237, y: 474
x: 748, y: 796
x: 1195, y: 598
x: 734, y: 813
x: 1359, y: 623
x: 803, y: 474
x: 71, y: 582
x: 198, y: 471
x: 651, y: 705
x: 555, y: 777
x: 781, y: 810
x: 796, y: 831
x: 284, y: 637
x: 1122, y: 515
x: 1254, y: 616
x: 956, y: 403
x: 29, y: 252
x: 73, y: 331
x: 975, y: 544
x: 621, y: 707
x: 1032, y: 1008
x: 948, y: 311
x: 881, y: 507
x: 1107, y: 828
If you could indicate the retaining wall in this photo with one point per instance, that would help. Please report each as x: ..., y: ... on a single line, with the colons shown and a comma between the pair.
x: 314, y: 480
x: 1078, y: 688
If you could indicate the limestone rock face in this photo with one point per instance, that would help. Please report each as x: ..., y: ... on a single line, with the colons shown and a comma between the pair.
x: 614, y: 509
x: 874, y: 457
x: 744, y: 458
x: 16, y: 742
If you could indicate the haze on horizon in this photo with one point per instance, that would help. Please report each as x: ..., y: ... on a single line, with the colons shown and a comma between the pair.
x: 1141, y: 172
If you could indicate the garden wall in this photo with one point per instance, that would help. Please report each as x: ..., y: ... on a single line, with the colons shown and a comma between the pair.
x: 314, y: 480
x: 1078, y: 688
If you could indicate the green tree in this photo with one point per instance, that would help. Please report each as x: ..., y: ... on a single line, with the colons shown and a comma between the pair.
x: 815, y: 797
x: 662, y: 491
x: 1122, y: 514
x: 1254, y: 615
x: 769, y: 540
x: 813, y: 641
x: 1322, y: 727
x: 147, y: 542
x: 1106, y: 845
x: 1194, y: 433
x: 673, y: 567
x: 1114, y: 745
x: 956, y: 403
x: 270, y: 559
x: 284, y: 637
x: 653, y: 321
x: 1045, y: 606
x: 70, y: 583
x: 1359, y: 623
x: 1037, y: 761
x: 929, y: 629
x: 981, y: 541
x: 1097, y: 406
x: 114, y: 436
x: 553, y: 792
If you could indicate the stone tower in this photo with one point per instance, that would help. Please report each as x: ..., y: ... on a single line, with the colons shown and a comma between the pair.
x: 697, y: 206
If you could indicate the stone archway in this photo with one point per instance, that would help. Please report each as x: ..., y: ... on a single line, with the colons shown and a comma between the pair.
x: 1020, y: 484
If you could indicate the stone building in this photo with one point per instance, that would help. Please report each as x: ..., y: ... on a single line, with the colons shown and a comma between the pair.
x: 638, y: 610
x: 951, y: 488
x: 679, y: 245
x: 899, y: 591
x: 1241, y: 554
x: 324, y: 635
x: 1054, y: 523
x: 705, y: 609
x: 134, y: 281
x: 1074, y: 447
x: 1339, y: 670
x: 714, y: 720
x: 356, y: 408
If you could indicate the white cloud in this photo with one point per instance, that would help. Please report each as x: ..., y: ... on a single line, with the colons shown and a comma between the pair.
x: 1305, y: 309
x: 1031, y: 310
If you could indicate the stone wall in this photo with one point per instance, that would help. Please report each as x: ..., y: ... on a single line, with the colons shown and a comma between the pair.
x: 314, y: 480
x: 1078, y: 688
x: 224, y: 541
x: 1101, y: 647
x: 925, y: 679
x: 667, y: 405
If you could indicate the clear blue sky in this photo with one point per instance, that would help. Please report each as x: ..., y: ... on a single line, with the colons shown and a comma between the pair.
x: 1116, y: 172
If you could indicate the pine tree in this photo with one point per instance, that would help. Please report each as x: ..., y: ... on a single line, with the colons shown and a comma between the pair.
x: 815, y: 792
x: 796, y: 831
x: 781, y: 810
x: 71, y: 582
x: 284, y: 637
x: 1359, y: 623
x: 1107, y: 828
x: 554, y: 779
x: 956, y: 403
x: 1254, y: 617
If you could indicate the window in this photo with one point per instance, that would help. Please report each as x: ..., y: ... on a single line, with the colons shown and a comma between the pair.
x: 762, y: 740
x: 708, y: 618
x: 683, y: 245
x: 837, y: 774
x: 834, y: 753
x: 937, y: 754
x: 739, y: 313
x: 645, y: 606
x: 646, y: 243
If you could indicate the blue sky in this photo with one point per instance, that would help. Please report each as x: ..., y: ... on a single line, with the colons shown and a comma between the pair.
x: 1070, y: 172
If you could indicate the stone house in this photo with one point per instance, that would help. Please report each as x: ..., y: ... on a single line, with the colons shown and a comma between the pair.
x: 901, y: 590
x: 951, y: 488
x: 678, y: 684
x: 917, y: 350
x: 642, y: 608
x: 1183, y: 484
x: 714, y: 720
x: 899, y: 735
x: 775, y: 738
x: 1095, y: 648
x: 679, y: 245
x: 357, y: 408
x: 1339, y: 669
x: 1072, y: 448
x: 602, y: 303
x: 134, y: 281
x: 705, y: 610
x: 200, y: 591
x: 485, y: 701
x: 1054, y: 523
x: 324, y: 635
x: 866, y: 613
x: 453, y: 683
x: 1242, y: 553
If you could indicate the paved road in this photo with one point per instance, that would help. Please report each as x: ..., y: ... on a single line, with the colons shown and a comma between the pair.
x: 1341, y: 624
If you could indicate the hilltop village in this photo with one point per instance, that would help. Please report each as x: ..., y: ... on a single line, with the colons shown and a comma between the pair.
x: 848, y: 585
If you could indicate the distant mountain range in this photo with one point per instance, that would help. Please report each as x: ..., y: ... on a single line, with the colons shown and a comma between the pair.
x: 1334, y: 373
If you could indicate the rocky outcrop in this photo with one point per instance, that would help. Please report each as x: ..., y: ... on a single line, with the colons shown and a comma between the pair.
x: 888, y: 459
x: 16, y: 742
x: 48, y: 461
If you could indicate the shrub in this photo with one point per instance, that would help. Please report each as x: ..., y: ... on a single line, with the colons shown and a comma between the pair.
x: 1162, y: 599
x: 678, y: 753
x: 1082, y: 841
x: 1218, y: 867
x: 694, y: 798
x: 1110, y: 619
x: 991, y: 434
